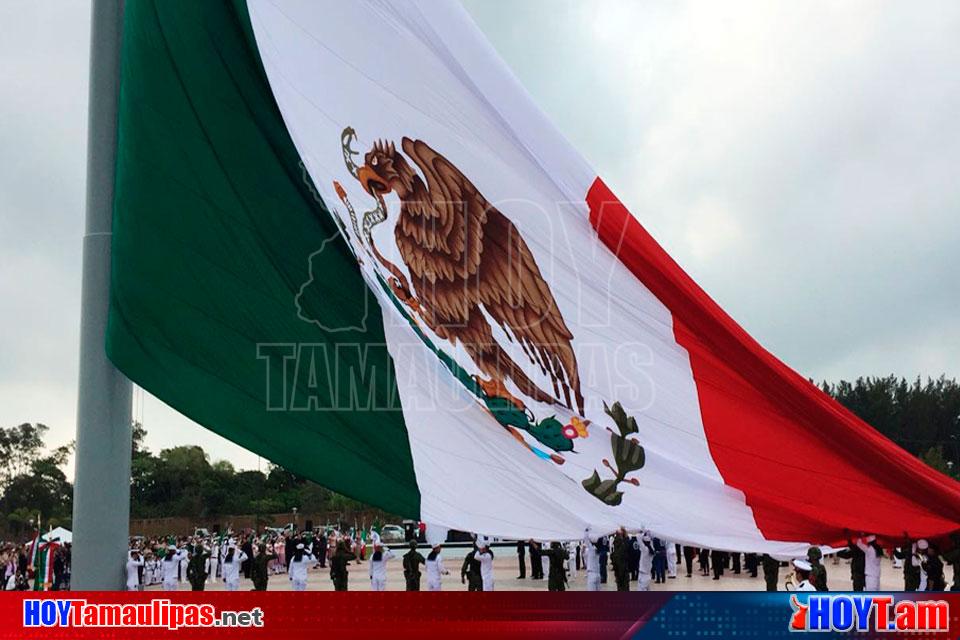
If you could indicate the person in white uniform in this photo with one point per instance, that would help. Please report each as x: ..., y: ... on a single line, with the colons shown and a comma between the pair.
x: 147, y: 569
x: 571, y: 560
x: 801, y: 572
x: 297, y: 570
x: 378, y: 566
x: 435, y: 568
x: 591, y: 562
x: 231, y: 566
x: 671, y: 559
x: 646, y: 562
x: 485, y: 557
x: 171, y: 567
x: 919, y: 555
x: 872, y: 555
x: 134, y: 564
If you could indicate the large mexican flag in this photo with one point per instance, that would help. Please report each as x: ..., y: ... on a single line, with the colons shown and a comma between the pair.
x: 346, y: 238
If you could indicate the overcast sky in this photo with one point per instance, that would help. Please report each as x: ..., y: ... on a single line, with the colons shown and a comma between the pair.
x: 801, y: 160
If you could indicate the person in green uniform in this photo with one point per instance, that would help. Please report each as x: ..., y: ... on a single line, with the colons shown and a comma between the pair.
x: 470, y: 572
x: 911, y: 568
x: 260, y: 567
x: 557, y: 578
x: 338, y: 566
x: 932, y: 565
x: 952, y: 557
x: 619, y: 558
x: 197, y: 567
x: 818, y: 572
x: 411, y: 567
x: 858, y: 565
x: 771, y: 571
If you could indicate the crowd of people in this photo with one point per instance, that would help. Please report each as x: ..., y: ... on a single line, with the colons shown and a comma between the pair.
x: 36, y: 565
x: 633, y: 560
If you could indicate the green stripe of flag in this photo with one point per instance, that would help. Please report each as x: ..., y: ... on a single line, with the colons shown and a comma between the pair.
x: 226, y: 266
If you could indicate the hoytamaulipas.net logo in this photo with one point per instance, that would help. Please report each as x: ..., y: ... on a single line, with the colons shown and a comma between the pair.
x: 849, y: 612
x: 155, y: 613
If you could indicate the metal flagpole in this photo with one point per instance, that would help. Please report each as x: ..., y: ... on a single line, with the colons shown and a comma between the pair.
x: 101, y: 495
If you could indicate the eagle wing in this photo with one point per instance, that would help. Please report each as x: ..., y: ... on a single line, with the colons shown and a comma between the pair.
x: 515, y: 295
x: 450, y: 222
x: 479, y: 258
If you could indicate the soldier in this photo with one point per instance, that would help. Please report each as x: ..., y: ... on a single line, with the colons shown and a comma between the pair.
x: 703, y: 559
x: 246, y: 549
x: 659, y: 561
x: 619, y: 559
x: 719, y: 560
x: 411, y: 567
x: 633, y: 557
x: 911, y: 568
x: 857, y: 564
x: 688, y: 554
x: 470, y: 572
x: 603, y: 546
x: 338, y: 566
x: 557, y: 579
x: 536, y: 564
x: 952, y: 556
x: 771, y: 571
x: 320, y: 549
x: 752, y: 564
x: 933, y: 566
x: 521, y: 559
x: 260, y: 567
x: 197, y: 568
x: 818, y: 573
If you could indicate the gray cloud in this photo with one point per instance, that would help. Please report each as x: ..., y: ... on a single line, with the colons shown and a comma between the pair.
x: 798, y: 159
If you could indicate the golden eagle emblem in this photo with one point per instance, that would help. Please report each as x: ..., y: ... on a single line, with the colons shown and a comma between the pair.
x: 469, y: 266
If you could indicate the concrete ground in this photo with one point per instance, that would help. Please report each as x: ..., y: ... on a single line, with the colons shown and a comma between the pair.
x: 506, y: 571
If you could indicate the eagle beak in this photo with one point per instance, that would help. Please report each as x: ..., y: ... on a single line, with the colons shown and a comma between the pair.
x: 370, y: 181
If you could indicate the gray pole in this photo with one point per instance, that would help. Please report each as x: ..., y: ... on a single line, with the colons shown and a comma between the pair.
x: 101, y: 494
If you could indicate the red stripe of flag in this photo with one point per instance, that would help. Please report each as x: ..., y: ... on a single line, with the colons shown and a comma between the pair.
x: 808, y: 467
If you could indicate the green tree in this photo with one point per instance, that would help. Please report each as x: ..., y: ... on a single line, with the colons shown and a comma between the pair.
x: 33, y: 483
x: 20, y: 446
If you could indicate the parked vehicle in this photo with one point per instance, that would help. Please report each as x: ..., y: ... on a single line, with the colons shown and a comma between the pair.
x: 392, y: 533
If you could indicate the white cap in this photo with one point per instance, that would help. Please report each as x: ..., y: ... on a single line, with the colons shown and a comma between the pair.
x: 803, y: 565
x: 922, y: 544
x: 300, y: 545
x: 172, y: 547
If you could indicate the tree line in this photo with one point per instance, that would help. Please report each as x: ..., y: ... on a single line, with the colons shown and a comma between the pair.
x: 923, y: 417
